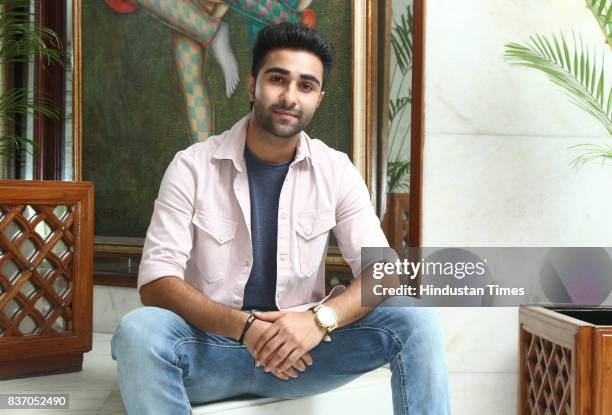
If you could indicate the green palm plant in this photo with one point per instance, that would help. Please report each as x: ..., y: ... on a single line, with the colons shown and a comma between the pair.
x: 399, y: 105
x: 602, y: 10
x: 575, y: 68
x: 21, y: 41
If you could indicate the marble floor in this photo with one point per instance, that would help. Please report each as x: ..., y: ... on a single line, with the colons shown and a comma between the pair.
x: 94, y: 390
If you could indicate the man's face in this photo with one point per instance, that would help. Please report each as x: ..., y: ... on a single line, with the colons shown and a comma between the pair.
x: 287, y: 91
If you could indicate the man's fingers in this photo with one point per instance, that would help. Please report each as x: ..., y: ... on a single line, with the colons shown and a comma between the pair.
x: 268, y: 315
x: 280, y: 355
x: 307, y: 358
x: 293, y: 360
x: 266, y: 353
x: 263, y: 339
x: 291, y: 372
x: 299, y: 365
x: 280, y: 374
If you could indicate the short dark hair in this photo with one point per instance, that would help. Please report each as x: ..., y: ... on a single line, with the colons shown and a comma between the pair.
x: 292, y: 36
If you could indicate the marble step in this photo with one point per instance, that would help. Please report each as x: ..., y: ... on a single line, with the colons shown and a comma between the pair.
x: 369, y: 394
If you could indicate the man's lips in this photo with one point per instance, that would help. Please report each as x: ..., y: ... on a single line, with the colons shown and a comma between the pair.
x: 286, y: 114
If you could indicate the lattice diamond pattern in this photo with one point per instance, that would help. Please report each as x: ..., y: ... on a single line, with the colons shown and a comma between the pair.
x: 12, y: 308
x: 28, y: 248
x: 9, y: 269
x: 45, y: 267
x: 36, y: 269
x: 60, y: 249
x: 28, y: 289
x: 549, y: 377
x: 61, y: 285
x: 29, y: 213
x: 43, y: 306
x: 43, y: 229
x: 12, y: 231
x: 62, y: 213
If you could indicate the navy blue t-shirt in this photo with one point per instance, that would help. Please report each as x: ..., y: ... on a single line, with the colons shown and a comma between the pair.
x: 265, y: 184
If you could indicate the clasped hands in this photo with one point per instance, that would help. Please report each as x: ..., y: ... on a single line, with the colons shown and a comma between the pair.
x: 280, y: 341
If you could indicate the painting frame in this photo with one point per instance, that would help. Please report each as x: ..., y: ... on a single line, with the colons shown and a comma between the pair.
x: 125, y: 252
x: 77, y: 92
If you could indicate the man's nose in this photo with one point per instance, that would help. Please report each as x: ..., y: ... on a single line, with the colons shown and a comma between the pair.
x: 289, y: 96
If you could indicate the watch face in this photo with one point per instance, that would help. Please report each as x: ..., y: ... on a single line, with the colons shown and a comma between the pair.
x: 326, y: 316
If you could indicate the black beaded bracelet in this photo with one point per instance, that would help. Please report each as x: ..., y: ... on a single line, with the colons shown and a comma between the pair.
x: 248, y: 323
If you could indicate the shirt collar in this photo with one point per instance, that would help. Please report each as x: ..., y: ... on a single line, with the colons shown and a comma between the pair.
x: 232, y: 147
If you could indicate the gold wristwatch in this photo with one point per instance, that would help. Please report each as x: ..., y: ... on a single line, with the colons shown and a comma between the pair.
x: 325, y: 317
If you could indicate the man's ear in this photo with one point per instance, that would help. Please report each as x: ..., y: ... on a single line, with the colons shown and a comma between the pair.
x: 321, y: 96
x: 251, y: 87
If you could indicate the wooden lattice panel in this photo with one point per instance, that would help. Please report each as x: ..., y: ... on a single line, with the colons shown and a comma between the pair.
x: 565, y: 353
x: 36, y: 269
x: 46, y: 282
x: 549, y: 376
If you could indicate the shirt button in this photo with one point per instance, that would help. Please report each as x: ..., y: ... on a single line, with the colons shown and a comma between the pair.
x: 284, y: 216
x: 221, y: 238
x: 246, y: 263
x: 278, y: 296
x: 308, y: 231
x: 283, y: 257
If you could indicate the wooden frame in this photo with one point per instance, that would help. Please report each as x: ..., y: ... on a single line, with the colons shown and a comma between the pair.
x: 47, y: 350
x: 50, y: 80
x: 365, y: 26
x: 564, y: 362
x: 50, y: 83
x: 417, y: 131
x: 77, y: 92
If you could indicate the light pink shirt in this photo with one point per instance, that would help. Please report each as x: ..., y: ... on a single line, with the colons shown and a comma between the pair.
x: 201, y: 225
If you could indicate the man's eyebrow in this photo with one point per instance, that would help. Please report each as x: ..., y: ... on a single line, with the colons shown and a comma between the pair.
x: 284, y: 71
x: 310, y: 78
x: 277, y: 69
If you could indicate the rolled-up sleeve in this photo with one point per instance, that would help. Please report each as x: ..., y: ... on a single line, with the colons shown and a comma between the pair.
x: 357, y: 225
x: 170, y: 235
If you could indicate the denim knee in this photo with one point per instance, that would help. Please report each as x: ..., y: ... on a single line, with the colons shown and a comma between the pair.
x: 135, y: 333
x: 418, y: 327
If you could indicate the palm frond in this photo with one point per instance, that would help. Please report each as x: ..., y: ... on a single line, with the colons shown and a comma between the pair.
x: 396, y: 106
x: 602, y: 10
x: 401, y: 40
x: 575, y: 69
x: 593, y: 152
x: 24, y: 40
x: 11, y: 143
x: 397, y: 170
x: 17, y: 101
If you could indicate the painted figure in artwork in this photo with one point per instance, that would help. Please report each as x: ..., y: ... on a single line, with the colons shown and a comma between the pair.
x: 197, y: 25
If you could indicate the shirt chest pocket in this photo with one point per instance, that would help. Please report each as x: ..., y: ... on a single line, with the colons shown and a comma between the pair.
x: 312, y: 229
x: 213, y: 240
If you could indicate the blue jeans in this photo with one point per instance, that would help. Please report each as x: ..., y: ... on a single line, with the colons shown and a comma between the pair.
x: 165, y: 365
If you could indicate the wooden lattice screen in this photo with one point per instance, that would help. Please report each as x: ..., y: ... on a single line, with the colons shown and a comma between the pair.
x: 565, y: 360
x: 548, y: 367
x: 46, y: 248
